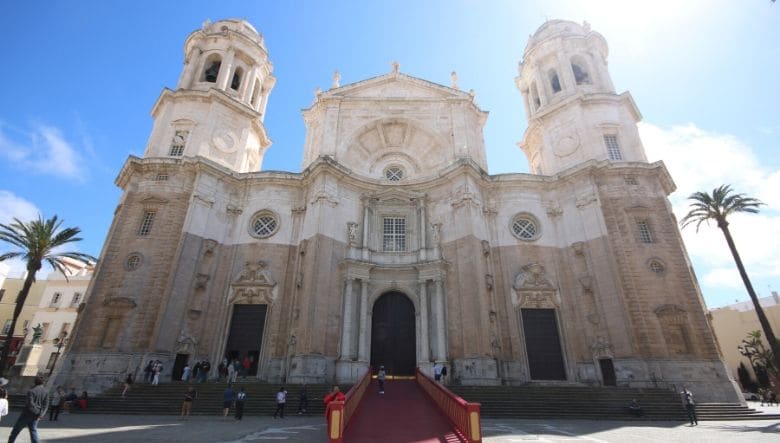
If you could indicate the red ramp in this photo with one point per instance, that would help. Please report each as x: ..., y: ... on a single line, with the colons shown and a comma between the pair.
x: 404, y: 413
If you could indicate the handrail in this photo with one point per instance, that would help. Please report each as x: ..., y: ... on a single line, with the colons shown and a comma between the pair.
x: 465, y: 416
x: 338, y: 413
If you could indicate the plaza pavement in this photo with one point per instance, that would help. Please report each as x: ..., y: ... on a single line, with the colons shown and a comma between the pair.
x: 296, y: 429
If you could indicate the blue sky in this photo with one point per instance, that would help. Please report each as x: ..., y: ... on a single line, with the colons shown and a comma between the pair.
x: 79, y: 79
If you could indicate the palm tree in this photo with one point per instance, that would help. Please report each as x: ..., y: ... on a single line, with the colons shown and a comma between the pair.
x: 718, y: 206
x: 37, y: 241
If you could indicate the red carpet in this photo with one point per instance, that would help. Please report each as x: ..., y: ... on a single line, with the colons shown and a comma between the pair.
x: 403, y: 414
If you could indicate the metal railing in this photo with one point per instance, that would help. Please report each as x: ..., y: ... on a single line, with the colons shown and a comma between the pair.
x: 465, y: 416
x: 339, y: 413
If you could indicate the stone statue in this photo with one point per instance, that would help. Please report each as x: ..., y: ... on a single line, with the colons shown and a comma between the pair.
x: 336, y: 80
x: 37, y: 332
x: 454, y: 80
x: 436, y: 234
x: 352, y: 229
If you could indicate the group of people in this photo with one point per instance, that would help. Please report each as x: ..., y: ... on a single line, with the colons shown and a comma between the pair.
x: 152, y: 372
x: 38, y: 403
x: 237, y: 399
x: 228, y: 370
x: 767, y: 396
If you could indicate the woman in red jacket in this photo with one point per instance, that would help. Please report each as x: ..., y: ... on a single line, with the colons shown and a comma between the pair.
x: 334, y: 395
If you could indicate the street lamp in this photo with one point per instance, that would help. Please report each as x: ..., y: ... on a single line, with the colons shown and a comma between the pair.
x: 59, y: 342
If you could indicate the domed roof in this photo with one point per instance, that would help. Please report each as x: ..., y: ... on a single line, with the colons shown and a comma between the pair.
x: 554, y: 28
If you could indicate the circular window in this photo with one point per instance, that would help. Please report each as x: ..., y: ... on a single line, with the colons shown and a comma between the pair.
x: 394, y: 173
x: 133, y: 262
x: 264, y: 224
x: 656, y: 266
x: 525, y: 227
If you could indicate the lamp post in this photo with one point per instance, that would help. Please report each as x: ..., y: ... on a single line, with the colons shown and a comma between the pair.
x: 59, y: 342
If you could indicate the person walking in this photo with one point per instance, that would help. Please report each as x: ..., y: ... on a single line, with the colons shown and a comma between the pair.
x: 303, y: 400
x: 148, y: 371
x: 3, y: 403
x: 240, y: 400
x: 34, y: 409
x: 156, y: 370
x: 185, y: 373
x: 380, y: 377
x: 128, y: 383
x: 57, y: 399
x: 186, y: 407
x: 281, y: 399
x: 335, y: 394
x: 690, y: 406
x: 227, y: 399
x: 437, y: 368
x: 231, y: 372
x: 204, y: 371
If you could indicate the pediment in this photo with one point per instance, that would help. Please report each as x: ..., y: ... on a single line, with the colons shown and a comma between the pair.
x: 393, y: 196
x: 395, y: 85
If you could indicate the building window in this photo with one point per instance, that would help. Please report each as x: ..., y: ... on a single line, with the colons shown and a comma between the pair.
x: 613, y: 148
x: 55, y: 300
x: 555, y: 82
x: 74, y: 302
x: 177, y: 145
x: 235, y: 83
x: 535, y: 97
x: 394, y: 234
x: 146, y: 223
x: 645, y: 235
x: 45, y: 332
x: 133, y: 262
x: 162, y: 177
x: 211, y: 72
x: 525, y: 227
x: 264, y: 224
x: 656, y: 266
x: 394, y: 173
x: 580, y: 74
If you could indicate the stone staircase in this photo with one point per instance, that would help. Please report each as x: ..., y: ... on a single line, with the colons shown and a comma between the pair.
x: 595, y: 403
x: 572, y: 402
x: 166, y: 399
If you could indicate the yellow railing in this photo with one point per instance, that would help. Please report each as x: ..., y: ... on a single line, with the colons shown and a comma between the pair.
x: 338, y: 413
x: 463, y: 415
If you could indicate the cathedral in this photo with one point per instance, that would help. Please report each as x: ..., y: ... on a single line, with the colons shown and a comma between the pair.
x: 394, y: 245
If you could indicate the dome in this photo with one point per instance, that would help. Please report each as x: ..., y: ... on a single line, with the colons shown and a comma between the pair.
x: 555, y: 28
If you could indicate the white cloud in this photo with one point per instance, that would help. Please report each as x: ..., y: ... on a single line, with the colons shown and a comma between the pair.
x: 46, y: 151
x: 13, y: 206
x: 699, y: 160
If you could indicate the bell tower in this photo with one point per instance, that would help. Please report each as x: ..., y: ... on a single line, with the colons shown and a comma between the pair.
x: 218, y: 107
x: 574, y: 114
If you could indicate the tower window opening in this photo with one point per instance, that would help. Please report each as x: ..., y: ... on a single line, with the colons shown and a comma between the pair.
x: 555, y: 82
x: 580, y: 74
x: 236, y: 82
x: 255, y: 93
x: 613, y: 148
x: 146, y: 223
x: 644, y: 232
x: 212, y: 72
x: 394, y: 234
x: 535, y: 97
x: 177, y: 144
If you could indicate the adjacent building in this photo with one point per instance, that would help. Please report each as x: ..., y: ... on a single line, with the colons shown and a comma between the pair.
x: 395, y: 246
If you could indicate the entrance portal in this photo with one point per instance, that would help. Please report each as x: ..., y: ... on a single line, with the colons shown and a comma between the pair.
x: 393, y: 334
x: 545, y: 358
x: 246, y: 334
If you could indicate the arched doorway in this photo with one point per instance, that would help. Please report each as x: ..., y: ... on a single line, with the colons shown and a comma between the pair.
x: 393, y: 334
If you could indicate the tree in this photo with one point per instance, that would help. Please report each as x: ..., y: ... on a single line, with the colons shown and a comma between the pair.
x: 760, y: 357
x: 718, y: 206
x: 37, y: 242
x: 748, y: 385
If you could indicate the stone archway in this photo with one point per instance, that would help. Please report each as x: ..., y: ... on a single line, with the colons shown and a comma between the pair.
x: 393, y: 334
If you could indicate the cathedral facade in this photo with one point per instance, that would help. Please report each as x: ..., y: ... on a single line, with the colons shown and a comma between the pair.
x: 394, y: 246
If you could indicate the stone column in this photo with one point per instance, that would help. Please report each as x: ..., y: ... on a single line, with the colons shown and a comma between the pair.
x: 189, y: 70
x: 542, y: 86
x: 363, y: 336
x: 248, y: 85
x: 425, y: 354
x: 226, y: 70
x: 348, y: 321
x: 441, y: 338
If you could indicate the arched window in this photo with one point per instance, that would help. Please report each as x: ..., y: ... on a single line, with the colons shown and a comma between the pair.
x: 555, y: 83
x: 210, y: 74
x: 535, y: 97
x: 580, y: 72
x: 236, y: 82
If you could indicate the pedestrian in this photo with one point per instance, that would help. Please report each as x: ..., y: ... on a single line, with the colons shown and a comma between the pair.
x: 231, y: 373
x: 186, y: 406
x: 240, y: 400
x: 128, y: 383
x: 634, y: 408
x: 185, y: 373
x: 83, y: 401
x: 380, y: 376
x: 71, y: 400
x: 437, y: 368
x: 148, y: 371
x: 247, y: 364
x: 443, y: 372
x: 3, y: 403
x: 281, y: 399
x: 227, y: 399
x: 196, y: 370
x: 303, y: 400
x: 236, y: 369
x: 334, y: 395
x: 204, y: 370
x: 690, y: 406
x: 156, y: 370
x: 34, y: 409
x: 57, y: 399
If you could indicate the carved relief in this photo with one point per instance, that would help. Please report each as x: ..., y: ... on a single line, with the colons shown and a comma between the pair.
x: 485, y: 248
x: 209, y: 246
x: 533, y: 290
x: 201, y: 280
x: 185, y: 344
x: 254, y: 285
x: 352, y: 233
x: 601, y: 348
